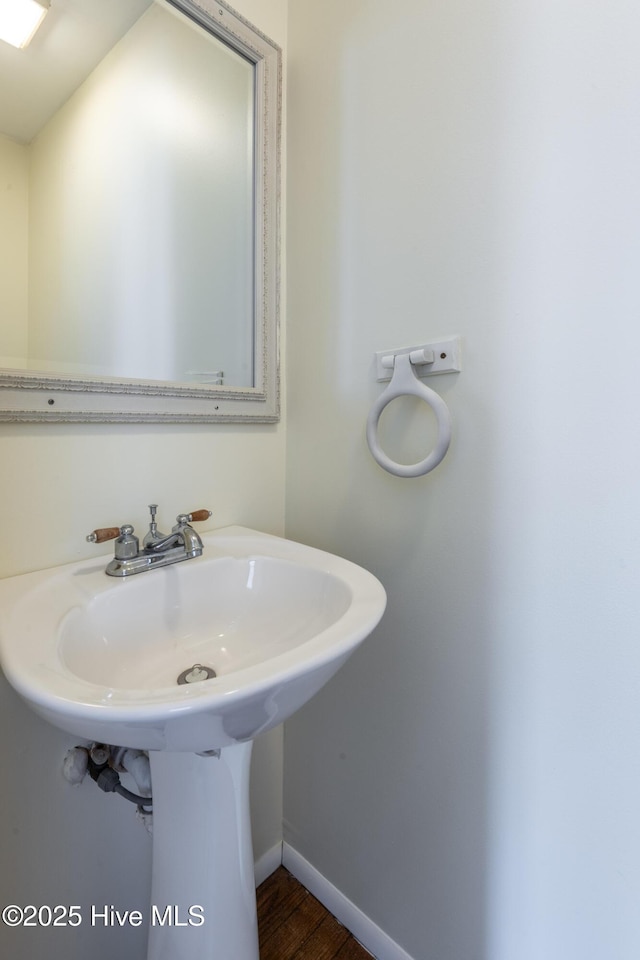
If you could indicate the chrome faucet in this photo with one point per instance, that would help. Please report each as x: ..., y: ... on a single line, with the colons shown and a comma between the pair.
x: 158, y: 549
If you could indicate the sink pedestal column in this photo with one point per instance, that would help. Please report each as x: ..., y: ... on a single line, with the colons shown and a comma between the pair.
x: 203, y: 885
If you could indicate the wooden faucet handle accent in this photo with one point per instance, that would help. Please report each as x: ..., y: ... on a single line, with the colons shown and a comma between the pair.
x: 200, y: 515
x: 104, y: 533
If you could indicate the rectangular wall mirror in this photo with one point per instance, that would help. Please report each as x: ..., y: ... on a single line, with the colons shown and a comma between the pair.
x: 139, y: 215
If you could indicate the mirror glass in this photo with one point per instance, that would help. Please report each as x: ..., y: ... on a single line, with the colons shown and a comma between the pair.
x: 138, y: 215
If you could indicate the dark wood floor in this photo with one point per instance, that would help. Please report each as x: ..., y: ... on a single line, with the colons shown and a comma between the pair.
x: 294, y: 925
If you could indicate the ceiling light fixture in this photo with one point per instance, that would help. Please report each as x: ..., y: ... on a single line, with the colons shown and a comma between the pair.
x: 19, y: 20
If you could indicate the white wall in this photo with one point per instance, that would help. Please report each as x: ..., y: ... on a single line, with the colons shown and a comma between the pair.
x: 469, y: 780
x: 57, y: 482
x: 14, y: 252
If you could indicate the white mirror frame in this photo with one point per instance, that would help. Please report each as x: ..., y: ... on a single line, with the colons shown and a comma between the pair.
x: 26, y: 396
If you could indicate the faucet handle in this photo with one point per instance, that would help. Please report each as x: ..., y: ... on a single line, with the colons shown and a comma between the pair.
x: 102, y: 534
x: 127, y: 545
x: 197, y: 515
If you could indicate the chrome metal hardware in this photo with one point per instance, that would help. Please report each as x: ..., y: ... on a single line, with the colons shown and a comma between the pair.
x: 158, y: 549
x: 152, y: 534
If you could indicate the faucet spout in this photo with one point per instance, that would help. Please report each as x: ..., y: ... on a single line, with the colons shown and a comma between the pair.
x: 182, y: 535
x: 165, y: 543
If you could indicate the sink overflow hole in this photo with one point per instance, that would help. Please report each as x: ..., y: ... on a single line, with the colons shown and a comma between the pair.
x: 196, y: 673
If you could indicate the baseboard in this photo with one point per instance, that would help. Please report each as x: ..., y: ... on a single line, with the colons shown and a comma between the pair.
x: 268, y: 863
x: 372, y: 938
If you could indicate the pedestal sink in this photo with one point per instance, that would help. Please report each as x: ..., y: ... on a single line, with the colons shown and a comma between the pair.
x: 255, y: 627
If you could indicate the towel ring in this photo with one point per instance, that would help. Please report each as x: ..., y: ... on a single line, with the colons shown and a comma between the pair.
x: 405, y: 382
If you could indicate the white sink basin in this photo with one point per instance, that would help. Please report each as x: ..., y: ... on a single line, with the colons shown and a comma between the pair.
x: 100, y: 657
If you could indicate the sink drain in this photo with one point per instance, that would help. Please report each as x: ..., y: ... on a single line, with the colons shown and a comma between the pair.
x: 196, y: 673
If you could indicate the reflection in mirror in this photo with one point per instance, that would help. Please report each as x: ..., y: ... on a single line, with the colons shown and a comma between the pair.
x: 138, y: 219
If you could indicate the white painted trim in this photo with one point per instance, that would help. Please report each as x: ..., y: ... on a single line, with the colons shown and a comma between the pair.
x: 268, y: 863
x: 372, y: 938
